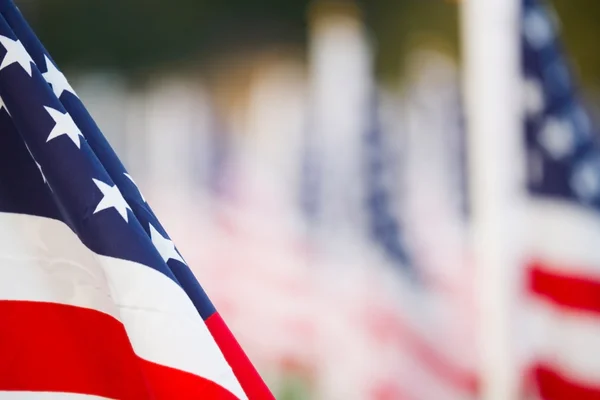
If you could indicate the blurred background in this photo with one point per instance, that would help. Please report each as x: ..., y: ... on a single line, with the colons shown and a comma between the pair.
x: 308, y: 157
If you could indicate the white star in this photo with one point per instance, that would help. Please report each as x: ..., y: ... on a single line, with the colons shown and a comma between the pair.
x: 557, y: 138
x: 585, y: 180
x: 57, y: 79
x: 132, y: 181
x: 534, y: 97
x: 165, y: 247
x: 538, y: 29
x: 3, y: 106
x: 112, y: 199
x: 15, y: 53
x: 64, y: 126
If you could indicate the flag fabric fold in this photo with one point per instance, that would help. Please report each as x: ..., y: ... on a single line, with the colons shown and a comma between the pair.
x: 97, y: 300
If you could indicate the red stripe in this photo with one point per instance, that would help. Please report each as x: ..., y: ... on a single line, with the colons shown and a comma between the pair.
x: 388, y: 326
x: 253, y: 385
x: 552, y: 386
x: 390, y: 390
x: 58, y: 348
x: 570, y: 291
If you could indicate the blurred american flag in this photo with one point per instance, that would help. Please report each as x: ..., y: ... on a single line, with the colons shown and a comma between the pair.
x: 563, y: 210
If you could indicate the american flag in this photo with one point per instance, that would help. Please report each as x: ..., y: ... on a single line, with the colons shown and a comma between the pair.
x: 95, y: 298
x: 385, y: 228
x: 564, y: 211
x: 404, y: 325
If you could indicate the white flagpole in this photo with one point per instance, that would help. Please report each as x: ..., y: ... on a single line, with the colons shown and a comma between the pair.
x: 492, y: 79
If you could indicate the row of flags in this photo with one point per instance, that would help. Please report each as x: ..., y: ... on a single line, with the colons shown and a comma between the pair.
x: 557, y: 320
x: 87, y: 262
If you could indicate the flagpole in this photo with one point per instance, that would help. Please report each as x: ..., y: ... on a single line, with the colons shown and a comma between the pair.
x: 490, y: 34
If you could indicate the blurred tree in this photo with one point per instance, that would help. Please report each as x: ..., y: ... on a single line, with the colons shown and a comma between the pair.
x: 399, y: 25
x: 580, y: 29
x: 134, y: 35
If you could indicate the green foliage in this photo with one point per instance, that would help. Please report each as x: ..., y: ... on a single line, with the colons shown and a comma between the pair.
x: 133, y: 35
x: 136, y: 34
x: 293, y: 388
x: 580, y: 32
x: 398, y: 25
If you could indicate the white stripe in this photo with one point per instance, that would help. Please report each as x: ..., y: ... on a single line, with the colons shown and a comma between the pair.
x: 566, y: 234
x: 567, y: 341
x: 6, y: 395
x: 43, y: 260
